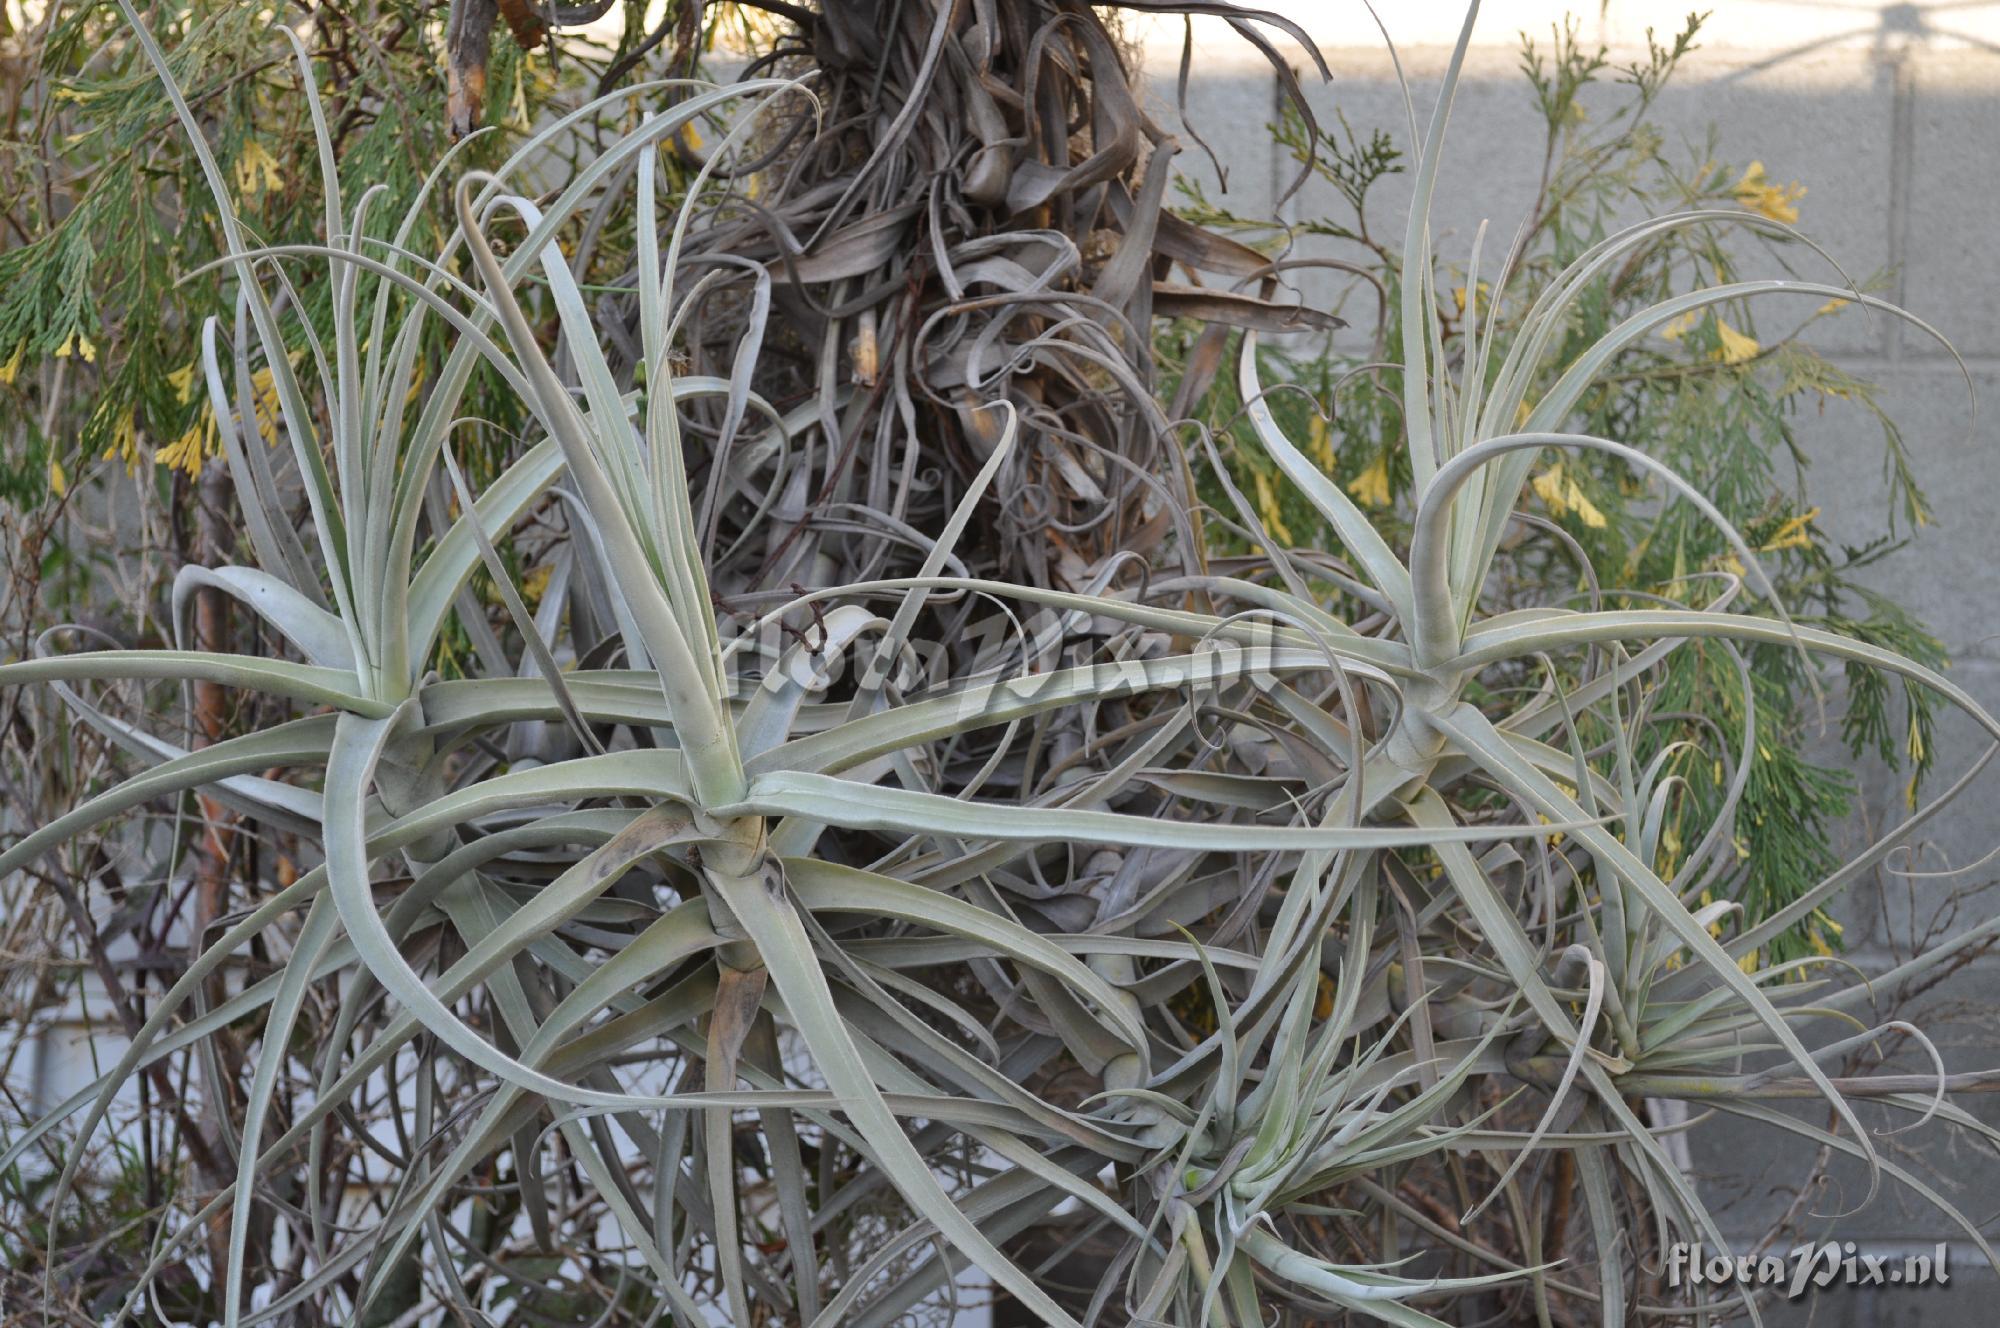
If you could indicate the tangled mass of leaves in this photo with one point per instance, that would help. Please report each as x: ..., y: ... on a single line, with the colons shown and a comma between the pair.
x: 773, y: 690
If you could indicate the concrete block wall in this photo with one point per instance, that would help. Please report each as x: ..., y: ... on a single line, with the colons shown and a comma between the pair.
x: 1890, y: 115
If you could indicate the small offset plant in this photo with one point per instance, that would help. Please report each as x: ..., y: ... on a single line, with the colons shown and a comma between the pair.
x: 1284, y: 959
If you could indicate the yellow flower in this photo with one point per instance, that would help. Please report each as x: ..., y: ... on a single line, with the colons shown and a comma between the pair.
x: 125, y: 443
x: 1832, y: 306
x: 1679, y: 327
x: 1267, y: 508
x: 58, y: 481
x: 1736, y: 347
x: 265, y: 401
x: 536, y: 583
x: 1562, y: 495
x: 1321, y: 440
x: 188, y: 451
x: 1371, y: 486
x: 1779, y: 202
x: 12, y: 366
x: 1549, y: 486
x: 257, y: 170
x: 1792, y: 535
x: 1586, y: 511
x: 201, y: 440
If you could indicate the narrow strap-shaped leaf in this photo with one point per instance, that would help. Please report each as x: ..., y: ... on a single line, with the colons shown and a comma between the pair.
x: 857, y: 741
x: 875, y: 807
x: 321, y: 925
x: 306, y: 683
x: 1355, y: 529
x: 827, y: 886
x: 319, y: 635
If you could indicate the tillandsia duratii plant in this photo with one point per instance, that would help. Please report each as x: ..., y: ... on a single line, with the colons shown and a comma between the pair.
x: 1728, y: 396
x: 1635, y: 983
x: 1184, y: 921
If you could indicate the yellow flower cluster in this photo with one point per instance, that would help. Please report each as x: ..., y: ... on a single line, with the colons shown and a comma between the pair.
x: 75, y: 345
x: 1371, y: 486
x: 1268, y: 509
x: 1792, y: 535
x: 1736, y: 346
x: 1562, y: 495
x: 1321, y: 440
x: 201, y: 441
x: 257, y: 170
x: 124, y: 441
x: 189, y: 450
x: 1779, y: 202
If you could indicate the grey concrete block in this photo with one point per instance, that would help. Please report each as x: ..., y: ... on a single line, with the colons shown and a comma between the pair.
x: 1947, y: 572
x: 1824, y: 120
x: 1945, y: 575
x: 1488, y: 173
x: 1750, y: 1175
x: 1894, y: 910
x: 1966, y: 1301
x: 1228, y: 111
x: 1953, y: 264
